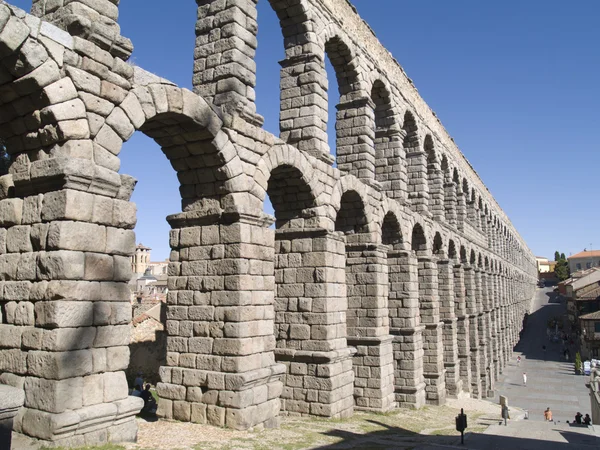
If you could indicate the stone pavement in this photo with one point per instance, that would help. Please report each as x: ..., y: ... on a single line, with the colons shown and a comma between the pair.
x: 551, y: 382
x: 528, y: 435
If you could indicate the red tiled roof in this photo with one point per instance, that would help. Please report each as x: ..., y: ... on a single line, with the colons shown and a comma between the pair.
x: 586, y: 254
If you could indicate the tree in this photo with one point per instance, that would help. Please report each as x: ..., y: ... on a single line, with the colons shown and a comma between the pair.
x: 562, y: 267
x: 556, y: 255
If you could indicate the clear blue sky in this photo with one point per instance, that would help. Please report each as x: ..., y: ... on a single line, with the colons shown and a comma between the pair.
x: 514, y: 82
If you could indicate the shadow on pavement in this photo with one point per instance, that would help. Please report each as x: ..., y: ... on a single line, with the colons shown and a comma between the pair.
x: 390, y: 437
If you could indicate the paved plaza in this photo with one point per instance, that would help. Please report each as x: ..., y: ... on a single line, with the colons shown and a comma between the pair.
x: 551, y: 381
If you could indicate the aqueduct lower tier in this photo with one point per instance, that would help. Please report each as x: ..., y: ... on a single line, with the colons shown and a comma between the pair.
x: 392, y: 280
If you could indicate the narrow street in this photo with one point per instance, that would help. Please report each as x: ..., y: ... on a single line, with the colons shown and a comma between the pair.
x: 551, y: 381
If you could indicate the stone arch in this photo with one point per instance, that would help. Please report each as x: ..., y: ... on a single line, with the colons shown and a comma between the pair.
x: 452, y: 251
x: 287, y: 170
x: 355, y: 145
x: 391, y: 232
x: 351, y: 217
x: 463, y: 254
x: 438, y: 244
x: 418, y: 240
x: 350, y: 183
x: 300, y: 12
x: 207, y: 164
x: 290, y: 196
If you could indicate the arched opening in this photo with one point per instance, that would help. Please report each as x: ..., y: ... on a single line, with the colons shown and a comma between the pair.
x: 391, y: 234
x: 290, y: 197
x: 351, y: 218
x: 418, y: 241
x: 200, y: 178
x: 437, y: 244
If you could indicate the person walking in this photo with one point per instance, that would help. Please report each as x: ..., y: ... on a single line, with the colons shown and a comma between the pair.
x: 524, y: 378
x: 548, y: 415
x: 518, y: 360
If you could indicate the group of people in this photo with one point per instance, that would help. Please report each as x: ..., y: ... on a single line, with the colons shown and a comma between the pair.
x: 587, y: 420
x: 145, y: 394
x: 579, y: 419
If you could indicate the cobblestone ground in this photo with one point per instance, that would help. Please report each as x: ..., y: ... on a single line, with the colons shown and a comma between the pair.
x: 400, y: 429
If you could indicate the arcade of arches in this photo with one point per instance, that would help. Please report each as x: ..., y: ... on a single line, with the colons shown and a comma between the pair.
x: 393, y: 280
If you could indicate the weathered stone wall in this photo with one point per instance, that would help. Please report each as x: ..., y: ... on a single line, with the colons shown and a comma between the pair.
x: 392, y: 280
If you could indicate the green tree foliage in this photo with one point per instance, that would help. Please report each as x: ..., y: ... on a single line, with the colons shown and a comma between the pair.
x: 562, y: 267
x: 578, y: 364
x: 556, y: 255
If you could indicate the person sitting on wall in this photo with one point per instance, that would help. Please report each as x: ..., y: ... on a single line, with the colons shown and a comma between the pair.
x: 587, y: 420
x: 578, y: 417
x: 137, y: 391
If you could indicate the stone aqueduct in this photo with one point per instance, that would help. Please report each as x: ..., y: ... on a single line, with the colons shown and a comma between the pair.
x: 392, y: 280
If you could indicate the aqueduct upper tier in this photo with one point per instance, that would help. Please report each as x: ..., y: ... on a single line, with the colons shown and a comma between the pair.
x: 393, y: 279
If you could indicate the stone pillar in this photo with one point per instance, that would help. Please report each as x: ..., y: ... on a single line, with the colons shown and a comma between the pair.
x: 220, y: 366
x: 480, y: 292
x: 368, y: 326
x: 436, y: 191
x: 496, y: 328
x: 450, y: 202
x: 310, y: 323
x: 12, y: 400
x: 66, y: 300
x: 504, y: 320
x: 487, y: 333
x: 448, y: 316
x: 471, y: 300
x: 429, y: 307
x: 462, y: 326
x: 461, y: 209
x: 303, y: 117
x: 418, y: 189
x: 405, y: 326
x: 355, y: 126
x: 224, y: 67
x: 390, y: 168
x: 484, y: 224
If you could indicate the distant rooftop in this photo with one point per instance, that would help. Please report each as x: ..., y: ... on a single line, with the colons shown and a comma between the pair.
x: 586, y: 254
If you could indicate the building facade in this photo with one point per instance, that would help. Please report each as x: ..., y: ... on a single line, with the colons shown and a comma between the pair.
x: 392, y: 280
x: 586, y: 259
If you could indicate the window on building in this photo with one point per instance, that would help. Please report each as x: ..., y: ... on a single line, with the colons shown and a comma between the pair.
x: 588, y: 265
x: 596, y: 327
x: 578, y: 266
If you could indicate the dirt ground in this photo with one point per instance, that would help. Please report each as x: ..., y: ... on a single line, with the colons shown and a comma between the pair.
x: 401, y: 429
x: 398, y: 429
